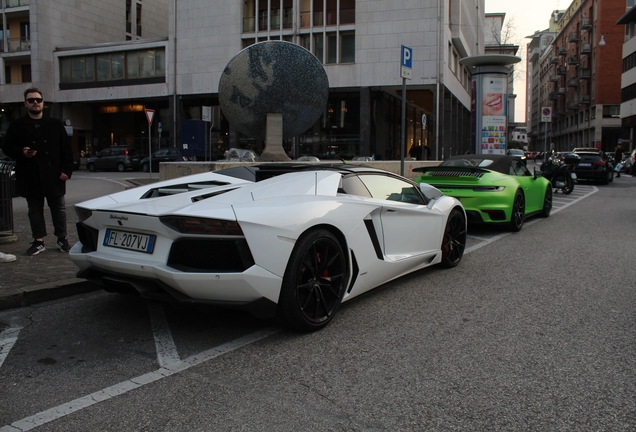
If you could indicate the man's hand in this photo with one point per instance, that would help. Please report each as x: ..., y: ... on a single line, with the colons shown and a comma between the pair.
x: 63, y: 177
x: 26, y: 151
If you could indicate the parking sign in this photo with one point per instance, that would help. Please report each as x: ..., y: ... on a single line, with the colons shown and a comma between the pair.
x: 406, y: 62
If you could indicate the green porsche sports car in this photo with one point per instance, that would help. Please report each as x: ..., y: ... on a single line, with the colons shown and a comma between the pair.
x: 492, y: 188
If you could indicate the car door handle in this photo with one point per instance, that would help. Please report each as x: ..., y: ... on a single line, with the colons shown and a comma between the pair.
x: 391, y: 211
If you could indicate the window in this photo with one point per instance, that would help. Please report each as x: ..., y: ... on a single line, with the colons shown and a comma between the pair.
x: 318, y: 46
x: 611, y: 111
x: 347, y: 47
x: 132, y: 64
x: 138, y: 19
x: 391, y: 189
x: 113, y: 66
x: 332, y: 48
x: 305, y: 13
x: 347, y: 11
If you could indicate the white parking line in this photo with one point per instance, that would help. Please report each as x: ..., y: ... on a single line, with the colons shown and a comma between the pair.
x: 166, y: 349
x: 8, y: 338
x: 562, y: 204
x: 63, y: 410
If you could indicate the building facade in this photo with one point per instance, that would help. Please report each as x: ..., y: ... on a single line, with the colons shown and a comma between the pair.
x: 100, y: 66
x: 628, y: 80
x: 579, y: 80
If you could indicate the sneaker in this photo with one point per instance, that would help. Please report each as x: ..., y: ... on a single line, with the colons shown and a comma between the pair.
x: 36, y: 248
x: 7, y: 257
x: 62, y: 244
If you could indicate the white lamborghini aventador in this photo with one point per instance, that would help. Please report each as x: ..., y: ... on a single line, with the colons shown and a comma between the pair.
x: 285, y: 240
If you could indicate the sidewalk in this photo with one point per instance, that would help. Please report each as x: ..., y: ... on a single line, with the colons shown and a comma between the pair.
x: 46, y: 276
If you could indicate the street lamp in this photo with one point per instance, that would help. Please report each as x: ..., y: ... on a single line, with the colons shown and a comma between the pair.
x: 602, y: 41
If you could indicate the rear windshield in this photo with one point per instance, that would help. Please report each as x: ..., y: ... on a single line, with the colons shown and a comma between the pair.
x: 469, y: 163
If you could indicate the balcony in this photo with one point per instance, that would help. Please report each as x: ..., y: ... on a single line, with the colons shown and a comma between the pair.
x: 586, y: 23
x: 573, y: 82
x: 561, y: 50
x: 553, y: 96
x: 554, y: 60
x: 561, y: 90
x: 562, y: 70
x: 573, y: 37
x: 585, y: 99
x: 586, y: 48
x: 573, y: 60
x: 573, y: 105
x: 19, y: 44
x: 554, y: 78
x: 585, y: 73
x: 559, y: 111
x: 15, y: 3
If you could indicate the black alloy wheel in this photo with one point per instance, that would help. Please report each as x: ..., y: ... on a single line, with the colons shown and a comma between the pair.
x: 145, y: 167
x: 314, y: 282
x: 454, y: 239
x: 121, y: 167
x: 547, y: 203
x: 91, y: 167
x: 518, y: 212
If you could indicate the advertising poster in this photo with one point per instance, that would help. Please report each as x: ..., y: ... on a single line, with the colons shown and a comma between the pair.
x: 493, y: 111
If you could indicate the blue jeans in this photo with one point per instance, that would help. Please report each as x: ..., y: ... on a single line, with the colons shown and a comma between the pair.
x: 57, y: 204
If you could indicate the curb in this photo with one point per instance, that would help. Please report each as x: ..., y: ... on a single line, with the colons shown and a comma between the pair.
x: 30, y: 296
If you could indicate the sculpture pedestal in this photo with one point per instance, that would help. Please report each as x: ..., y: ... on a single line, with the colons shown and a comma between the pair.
x: 273, y: 151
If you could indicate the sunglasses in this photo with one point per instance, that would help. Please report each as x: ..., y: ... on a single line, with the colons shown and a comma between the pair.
x: 34, y: 100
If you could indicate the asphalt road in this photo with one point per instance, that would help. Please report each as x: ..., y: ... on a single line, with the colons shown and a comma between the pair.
x: 532, y: 331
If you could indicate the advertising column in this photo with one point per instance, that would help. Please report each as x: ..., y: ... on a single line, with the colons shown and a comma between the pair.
x: 489, y: 105
x: 494, y: 114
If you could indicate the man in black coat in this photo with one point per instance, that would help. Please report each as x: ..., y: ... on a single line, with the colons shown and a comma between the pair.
x: 44, y: 162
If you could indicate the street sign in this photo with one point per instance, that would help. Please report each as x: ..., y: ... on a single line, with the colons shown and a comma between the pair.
x: 159, y: 127
x: 206, y: 113
x: 546, y: 114
x: 424, y: 121
x: 150, y: 115
x: 406, y: 62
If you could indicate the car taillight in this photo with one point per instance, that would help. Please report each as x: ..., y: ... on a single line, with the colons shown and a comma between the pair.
x: 125, y: 152
x: 602, y: 163
x: 191, y: 225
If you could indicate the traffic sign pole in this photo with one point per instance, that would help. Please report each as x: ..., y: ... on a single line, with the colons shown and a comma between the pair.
x: 149, y: 116
x: 405, y: 73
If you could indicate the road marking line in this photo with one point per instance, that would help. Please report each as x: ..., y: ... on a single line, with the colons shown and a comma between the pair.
x: 167, y: 352
x: 533, y: 221
x: 65, y: 409
x: 8, y: 338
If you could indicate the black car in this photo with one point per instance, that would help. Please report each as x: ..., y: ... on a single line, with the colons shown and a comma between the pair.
x: 164, y: 155
x: 76, y: 161
x: 114, y: 159
x: 518, y: 154
x: 593, y: 166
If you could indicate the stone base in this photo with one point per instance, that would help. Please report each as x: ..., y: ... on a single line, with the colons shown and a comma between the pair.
x: 273, y: 151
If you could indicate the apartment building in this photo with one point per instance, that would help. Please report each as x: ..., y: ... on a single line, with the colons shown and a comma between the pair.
x: 628, y: 79
x: 579, y: 77
x: 101, y: 63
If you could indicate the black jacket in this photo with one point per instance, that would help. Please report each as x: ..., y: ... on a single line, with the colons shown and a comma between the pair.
x: 39, y: 175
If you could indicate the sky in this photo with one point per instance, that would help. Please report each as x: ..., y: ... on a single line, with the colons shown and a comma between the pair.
x: 527, y: 17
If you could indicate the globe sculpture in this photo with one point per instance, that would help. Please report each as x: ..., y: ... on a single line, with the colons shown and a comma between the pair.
x: 272, y: 81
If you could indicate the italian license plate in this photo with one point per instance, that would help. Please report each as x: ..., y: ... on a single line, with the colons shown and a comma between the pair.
x: 131, y: 241
x: 585, y: 164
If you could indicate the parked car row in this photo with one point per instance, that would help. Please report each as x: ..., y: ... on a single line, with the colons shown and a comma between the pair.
x: 128, y: 158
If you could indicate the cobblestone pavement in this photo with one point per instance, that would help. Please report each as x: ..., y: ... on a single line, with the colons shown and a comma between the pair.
x: 46, y: 276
